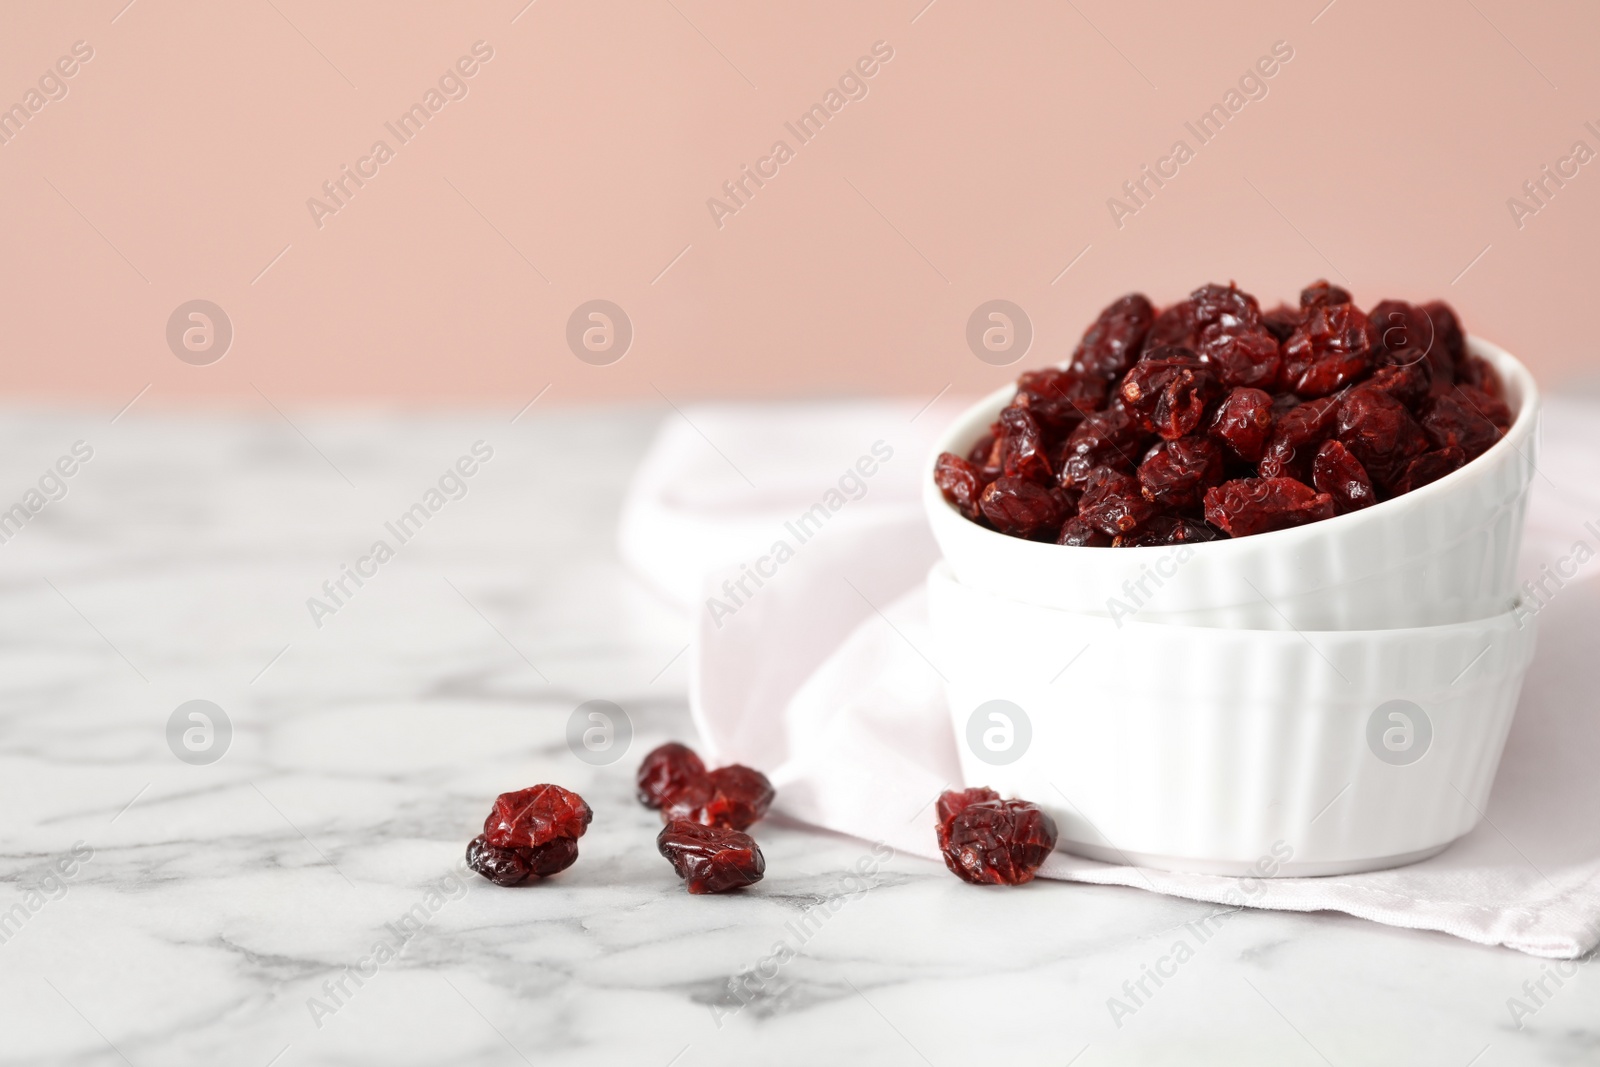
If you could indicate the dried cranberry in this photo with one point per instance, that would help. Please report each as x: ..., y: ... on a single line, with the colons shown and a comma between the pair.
x: 1242, y: 422
x: 1296, y: 436
x: 1226, y: 306
x: 1059, y: 399
x: 1022, y: 508
x: 1174, y: 326
x: 1479, y: 374
x: 711, y: 859
x: 535, y: 816
x: 953, y: 802
x: 1242, y: 356
x: 1394, y: 326
x: 1112, y: 342
x: 978, y: 455
x: 1330, y: 350
x: 1409, y: 379
x: 1080, y: 534
x: 1112, y: 501
x: 1261, y: 421
x: 1380, y: 432
x: 667, y: 769
x: 1022, y: 453
x: 1109, y: 438
x: 514, y: 866
x: 1322, y: 291
x: 1458, y: 418
x: 1167, y: 530
x: 1339, y: 474
x: 733, y: 797
x: 1282, y: 321
x: 1447, y: 330
x: 1490, y: 407
x: 1257, y: 505
x: 1176, y: 473
x: 1169, y: 390
x: 996, y: 842
x: 745, y: 792
x: 1402, y: 333
x: 959, y: 481
x: 1429, y: 467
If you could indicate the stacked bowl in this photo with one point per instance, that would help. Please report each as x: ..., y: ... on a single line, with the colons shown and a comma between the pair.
x: 1318, y: 700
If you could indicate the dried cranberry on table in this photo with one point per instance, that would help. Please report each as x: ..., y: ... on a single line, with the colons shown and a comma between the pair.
x: 988, y: 841
x: 531, y: 833
x: 514, y: 866
x: 535, y: 816
x: 733, y: 797
x: 951, y: 803
x: 711, y: 859
x: 665, y: 770
x: 673, y: 778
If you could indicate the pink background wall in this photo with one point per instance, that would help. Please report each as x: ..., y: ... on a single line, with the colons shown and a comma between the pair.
x: 978, y: 165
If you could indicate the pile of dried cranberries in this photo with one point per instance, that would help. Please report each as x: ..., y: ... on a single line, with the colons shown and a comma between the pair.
x: 706, y: 814
x: 533, y: 833
x: 1215, y: 419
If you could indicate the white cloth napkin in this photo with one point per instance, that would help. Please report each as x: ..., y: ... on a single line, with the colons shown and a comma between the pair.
x: 806, y: 573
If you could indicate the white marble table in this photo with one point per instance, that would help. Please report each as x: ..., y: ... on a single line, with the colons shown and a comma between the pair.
x: 218, y: 900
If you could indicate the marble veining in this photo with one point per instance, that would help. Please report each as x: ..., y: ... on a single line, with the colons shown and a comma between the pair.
x: 223, y: 908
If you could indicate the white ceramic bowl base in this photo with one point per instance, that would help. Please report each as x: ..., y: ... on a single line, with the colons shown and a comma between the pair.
x: 1444, y: 553
x: 1207, y: 749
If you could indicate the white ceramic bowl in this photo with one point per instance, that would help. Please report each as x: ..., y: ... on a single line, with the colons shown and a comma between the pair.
x: 1444, y: 553
x: 1206, y: 749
